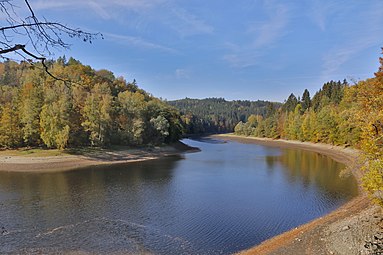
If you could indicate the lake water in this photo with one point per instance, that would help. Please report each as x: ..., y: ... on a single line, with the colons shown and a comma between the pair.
x: 226, y: 198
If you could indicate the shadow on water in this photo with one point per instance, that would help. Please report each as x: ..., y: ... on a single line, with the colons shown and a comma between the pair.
x: 208, y: 140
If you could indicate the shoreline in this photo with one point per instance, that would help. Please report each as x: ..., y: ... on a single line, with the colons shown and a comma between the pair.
x: 345, y: 230
x: 68, y: 162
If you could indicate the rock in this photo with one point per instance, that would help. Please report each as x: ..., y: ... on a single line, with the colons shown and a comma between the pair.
x: 345, y: 228
x: 378, y: 236
x: 4, y: 231
x: 374, y: 247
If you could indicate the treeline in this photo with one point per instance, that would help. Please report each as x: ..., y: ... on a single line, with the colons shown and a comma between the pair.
x: 78, y: 106
x: 337, y: 114
x: 320, y: 119
x: 216, y: 115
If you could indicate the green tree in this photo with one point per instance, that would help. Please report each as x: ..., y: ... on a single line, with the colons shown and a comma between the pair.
x: 306, y: 100
x: 290, y: 104
x: 161, y: 125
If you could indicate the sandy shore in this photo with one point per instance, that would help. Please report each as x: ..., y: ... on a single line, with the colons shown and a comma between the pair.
x: 92, y: 158
x: 354, y: 228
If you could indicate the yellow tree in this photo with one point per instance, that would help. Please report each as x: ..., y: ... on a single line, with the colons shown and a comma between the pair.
x: 370, y: 99
x: 369, y: 115
x: 54, y: 116
x: 97, y: 114
x: 10, y: 132
x: 30, y: 107
x: 131, y: 124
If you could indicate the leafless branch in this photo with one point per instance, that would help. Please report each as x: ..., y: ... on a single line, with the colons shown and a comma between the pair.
x: 41, y: 36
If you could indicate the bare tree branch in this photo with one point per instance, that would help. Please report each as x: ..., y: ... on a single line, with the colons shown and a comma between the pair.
x: 42, y: 36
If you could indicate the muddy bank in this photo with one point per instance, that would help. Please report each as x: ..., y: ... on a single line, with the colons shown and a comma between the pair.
x: 88, y: 158
x: 354, y: 228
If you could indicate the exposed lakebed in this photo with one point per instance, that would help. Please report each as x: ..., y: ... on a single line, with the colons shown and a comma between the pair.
x: 226, y: 198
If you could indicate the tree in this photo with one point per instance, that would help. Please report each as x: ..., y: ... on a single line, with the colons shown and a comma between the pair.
x: 97, y: 114
x: 131, y: 124
x: 291, y: 103
x: 309, y: 126
x: 38, y: 38
x: 30, y: 107
x: 238, y: 129
x: 379, y: 73
x: 306, y: 100
x: 55, y: 116
x: 161, y: 125
x: 10, y: 133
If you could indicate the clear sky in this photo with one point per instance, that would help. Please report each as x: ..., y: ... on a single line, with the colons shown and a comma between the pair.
x: 243, y: 49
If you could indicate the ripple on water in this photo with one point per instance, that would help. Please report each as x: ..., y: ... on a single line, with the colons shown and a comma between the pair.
x: 95, y: 236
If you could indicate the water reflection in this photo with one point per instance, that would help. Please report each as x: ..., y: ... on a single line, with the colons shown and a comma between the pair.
x: 228, y: 197
x: 313, y: 169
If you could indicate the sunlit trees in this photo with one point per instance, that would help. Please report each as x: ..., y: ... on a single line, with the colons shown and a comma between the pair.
x: 10, y: 132
x: 338, y: 114
x: 98, y: 109
x: 370, y: 101
x: 30, y: 107
x: 131, y: 125
x: 54, y: 116
x: 309, y: 132
x: 161, y: 126
x: 97, y: 114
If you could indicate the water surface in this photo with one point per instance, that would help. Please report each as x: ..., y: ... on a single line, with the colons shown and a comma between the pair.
x: 228, y: 197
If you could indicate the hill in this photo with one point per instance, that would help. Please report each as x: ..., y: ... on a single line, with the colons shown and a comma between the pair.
x: 217, y: 115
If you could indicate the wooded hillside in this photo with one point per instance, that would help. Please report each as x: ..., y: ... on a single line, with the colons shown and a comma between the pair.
x: 216, y: 115
x: 78, y: 106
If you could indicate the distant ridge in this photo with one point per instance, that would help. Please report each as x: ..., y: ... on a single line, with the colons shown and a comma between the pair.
x: 217, y: 115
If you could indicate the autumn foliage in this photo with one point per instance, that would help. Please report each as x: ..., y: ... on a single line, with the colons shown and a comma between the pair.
x: 338, y: 114
x: 83, y: 107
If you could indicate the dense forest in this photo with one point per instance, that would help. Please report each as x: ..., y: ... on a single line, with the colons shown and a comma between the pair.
x: 337, y: 114
x: 75, y: 105
x: 216, y: 115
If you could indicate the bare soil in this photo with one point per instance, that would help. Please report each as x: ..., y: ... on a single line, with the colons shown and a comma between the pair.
x: 66, y: 162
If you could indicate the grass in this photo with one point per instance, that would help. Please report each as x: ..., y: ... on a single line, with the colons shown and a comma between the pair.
x: 33, y: 152
x: 39, y: 152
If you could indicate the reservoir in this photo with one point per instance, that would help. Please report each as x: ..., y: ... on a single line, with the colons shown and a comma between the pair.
x: 227, y: 197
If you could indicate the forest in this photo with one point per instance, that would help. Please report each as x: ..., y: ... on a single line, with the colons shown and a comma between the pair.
x: 75, y: 105
x: 338, y: 114
x: 217, y: 115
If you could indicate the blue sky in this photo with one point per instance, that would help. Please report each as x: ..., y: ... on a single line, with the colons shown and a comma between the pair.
x: 243, y: 49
